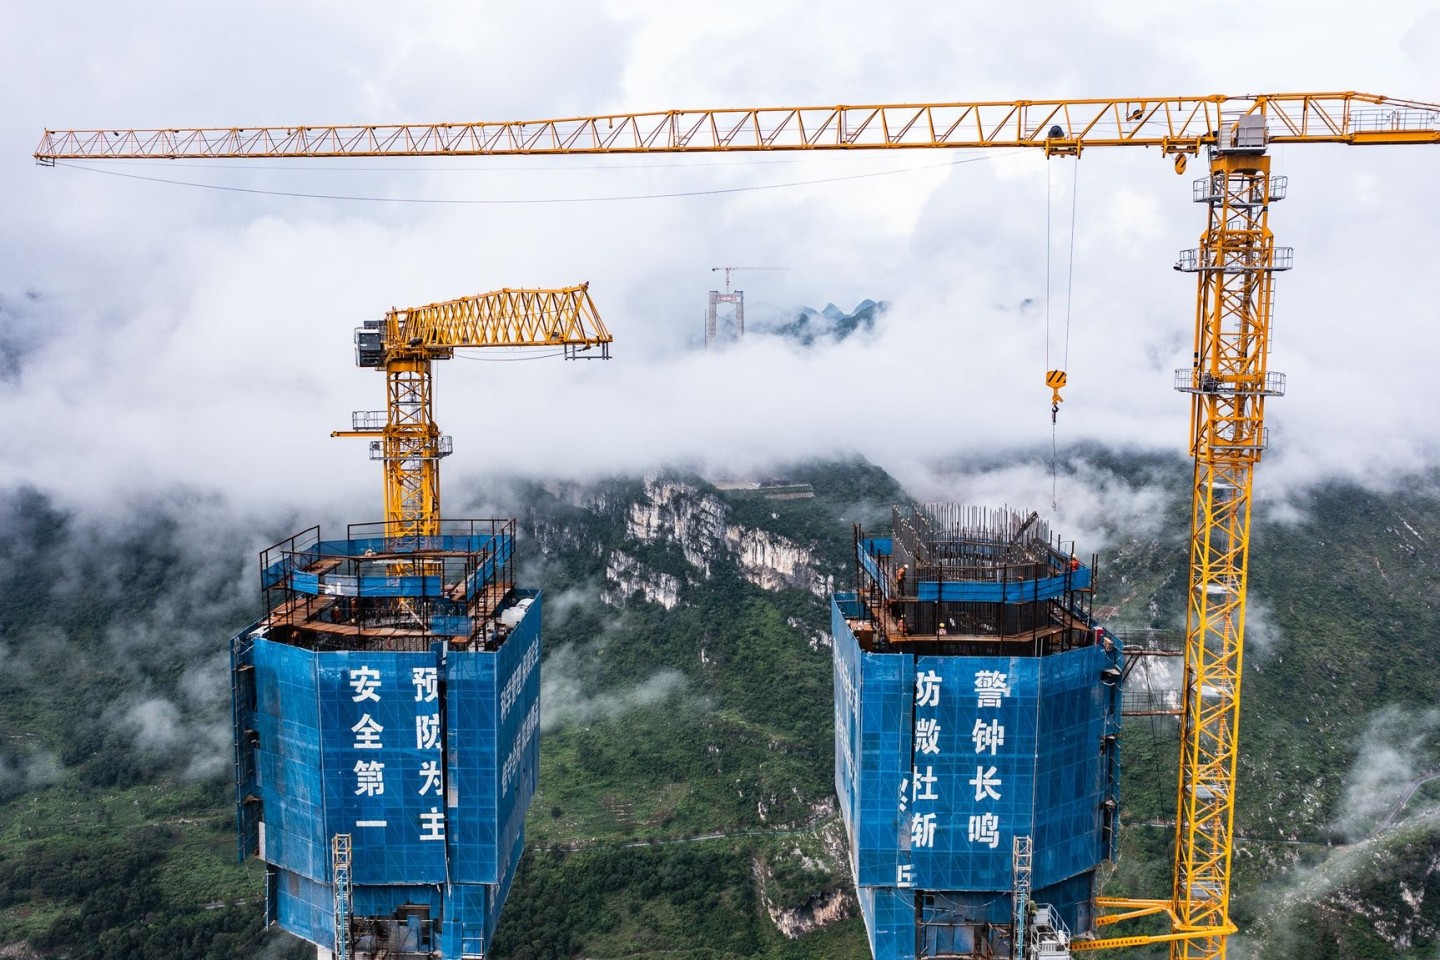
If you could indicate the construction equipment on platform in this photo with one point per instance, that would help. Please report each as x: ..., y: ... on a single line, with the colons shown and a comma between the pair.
x: 404, y: 436
x: 1228, y: 380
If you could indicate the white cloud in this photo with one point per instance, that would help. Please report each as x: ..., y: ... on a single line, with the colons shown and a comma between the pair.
x: 202, y: 337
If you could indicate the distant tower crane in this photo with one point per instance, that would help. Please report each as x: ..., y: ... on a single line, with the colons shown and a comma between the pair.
x: 404, y: 436
x: 736, y: 297
x: 1228, y: 380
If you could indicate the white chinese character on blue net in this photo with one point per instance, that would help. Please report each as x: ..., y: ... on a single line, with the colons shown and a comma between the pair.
x: 991, y: 686
x: 367, y: 733
x: 985, y: 828
x: 430, y: 771
x: 904, y: 875
x: 427, y: 731
x: 988, y: 736
x: 904, y: 792
x: 426, y: 683
x: 922, y: 830
x: 927, y: 689
x: 432, y: 824
x: 365, y: 681
x: 369, y: 778
x: 925, y: 784
x: 927, y: 735
x: 985, y: 783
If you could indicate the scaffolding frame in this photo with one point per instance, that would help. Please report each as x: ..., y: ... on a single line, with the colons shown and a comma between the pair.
x: 374, y: 590
x: 941, y: 543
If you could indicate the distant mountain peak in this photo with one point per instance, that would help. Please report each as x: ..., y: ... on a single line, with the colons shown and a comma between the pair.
x: 832, y: 323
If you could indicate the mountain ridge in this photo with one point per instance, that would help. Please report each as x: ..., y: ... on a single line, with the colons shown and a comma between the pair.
x: 685, y: 804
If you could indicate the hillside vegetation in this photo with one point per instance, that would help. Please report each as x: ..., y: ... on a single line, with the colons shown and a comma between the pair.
x: 686, y: 807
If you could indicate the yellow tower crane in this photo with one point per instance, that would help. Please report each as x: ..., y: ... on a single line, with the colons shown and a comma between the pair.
x: 1228, y: 380
x: 404, y: 436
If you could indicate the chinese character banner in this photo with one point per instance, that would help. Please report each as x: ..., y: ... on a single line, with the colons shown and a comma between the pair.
x: 971, y: 785
x: 383, y: 755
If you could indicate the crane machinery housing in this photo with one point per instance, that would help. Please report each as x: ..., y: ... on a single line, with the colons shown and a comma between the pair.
x: 1228, y: 380
x: 387, y: 706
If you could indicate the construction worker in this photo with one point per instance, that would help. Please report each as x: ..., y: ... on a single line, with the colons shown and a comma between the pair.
x: 900, y: 578
x: 1074, y: 563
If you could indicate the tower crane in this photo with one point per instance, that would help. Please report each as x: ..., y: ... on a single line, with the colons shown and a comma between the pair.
x: 404, y: 436
x: 731, y: 270
x: 1228, y: 381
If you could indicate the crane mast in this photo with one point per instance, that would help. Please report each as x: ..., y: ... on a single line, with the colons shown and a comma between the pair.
x: 404, y: 436
x: 1228, y: 380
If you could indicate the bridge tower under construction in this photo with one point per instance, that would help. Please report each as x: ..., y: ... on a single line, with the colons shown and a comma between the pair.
x: 977, y: 720
x: 386, y: 713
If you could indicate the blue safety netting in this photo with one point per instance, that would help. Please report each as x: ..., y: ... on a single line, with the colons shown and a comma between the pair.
x: 941, y: 761
x: 428, y: 760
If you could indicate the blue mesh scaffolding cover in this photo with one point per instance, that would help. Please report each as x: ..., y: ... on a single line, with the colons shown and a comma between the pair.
x: 304, y: 907
x: 384, y: 759
x: 287, y: 761
x: 941, y: 761
x: 1006, y: 747
x: 971, y: 788
x: 889, y: 921
x: 1071, y: 781
x: 426, y: 760
x: 872, y: 748
x: 494, y: 722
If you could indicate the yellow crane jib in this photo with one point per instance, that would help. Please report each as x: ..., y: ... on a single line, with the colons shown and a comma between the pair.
x: 1063, y: 127
x: 404, y: 436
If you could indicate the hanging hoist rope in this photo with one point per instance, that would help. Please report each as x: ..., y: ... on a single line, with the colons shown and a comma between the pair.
x: 1055, y: 377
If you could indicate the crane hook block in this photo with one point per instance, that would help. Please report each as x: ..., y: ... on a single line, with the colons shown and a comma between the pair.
x: 1055, y: 379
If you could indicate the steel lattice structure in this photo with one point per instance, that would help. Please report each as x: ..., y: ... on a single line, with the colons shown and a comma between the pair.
x: 405, y: 436
x: 1174, y: 124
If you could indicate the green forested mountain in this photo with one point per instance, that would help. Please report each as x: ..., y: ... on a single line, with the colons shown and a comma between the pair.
x: 685, y: 805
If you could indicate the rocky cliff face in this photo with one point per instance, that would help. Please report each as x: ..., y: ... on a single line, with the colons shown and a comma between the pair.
x: 772, y: 562
x: 672, y: 512
x: 819, y: 911
x: 626, y: 576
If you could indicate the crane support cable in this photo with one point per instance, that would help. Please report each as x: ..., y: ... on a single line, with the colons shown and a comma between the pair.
x: 521, y: 201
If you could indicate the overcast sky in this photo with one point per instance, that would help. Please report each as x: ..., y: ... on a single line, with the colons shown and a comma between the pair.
x: 156, y: 333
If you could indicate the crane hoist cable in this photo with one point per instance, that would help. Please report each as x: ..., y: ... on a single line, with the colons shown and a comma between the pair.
x: 1055, y: 377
